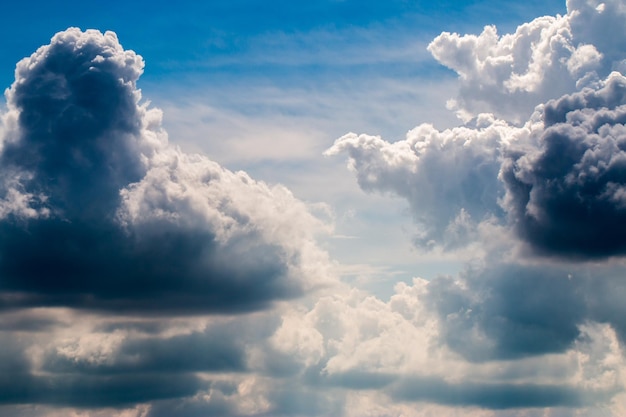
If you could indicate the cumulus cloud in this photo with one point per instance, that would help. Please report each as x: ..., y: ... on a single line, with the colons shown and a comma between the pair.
x: 509, y: 311
x: 557, y: 181
x: 566, y: 192
x: 126, y: 265
x: 469, y: 341
x: 537, y: 321
x: 99, y: 212
x: 448, y: 177
x: 509, y: 75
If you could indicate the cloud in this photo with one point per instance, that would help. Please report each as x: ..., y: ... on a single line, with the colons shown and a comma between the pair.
x: 557, y: 180
x: 501, y: 338
x: 537, y: 184
x: 213, y: 350
x: 140, y: 280
x: 492, y: 396
x: 448, y: 177
x: 565, y: 191
x: 509, y: 75
x: 99, y: 212
x: 509, y: 311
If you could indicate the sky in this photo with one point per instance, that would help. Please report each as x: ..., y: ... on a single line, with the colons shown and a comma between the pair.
x: 339, y: 208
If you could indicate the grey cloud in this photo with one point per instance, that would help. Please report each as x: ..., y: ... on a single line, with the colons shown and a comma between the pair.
x: 100, y: 213
x: 599, y: 23
x: 191, y: 408
x: 21, y: 384
x: 22, y: 321
x: 214, y: 350
x: 95, y: 391
x: 285, y: 399
x: 359, y: 380
x: 95, y: 370
x: 494, y: 396
x: 79, y: 124
x: 509, y: 311
x: 565, y: 195
x: 290, y: 400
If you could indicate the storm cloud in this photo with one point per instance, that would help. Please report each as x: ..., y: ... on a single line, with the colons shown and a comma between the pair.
x: 537, y: 182
x: 566, y: 194
x: 99, y: 212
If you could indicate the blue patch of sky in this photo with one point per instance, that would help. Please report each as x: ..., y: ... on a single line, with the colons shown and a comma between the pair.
x: 245, y: 38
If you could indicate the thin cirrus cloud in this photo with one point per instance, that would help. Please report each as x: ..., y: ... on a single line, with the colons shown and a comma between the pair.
x: 139, y: 280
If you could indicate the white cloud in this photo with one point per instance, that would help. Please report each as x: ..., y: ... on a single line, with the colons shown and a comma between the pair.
x: 448, y: 177
x: 509, y: 75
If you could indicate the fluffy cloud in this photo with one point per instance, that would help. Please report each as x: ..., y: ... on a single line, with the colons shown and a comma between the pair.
x: 566, y: 192
x: 99, y: 212
x: 537, y: 321
x: 557, y: 179
x: 486, y: 350
x: 139, y: 280
x: 449, y: 178
x: 509, y: 75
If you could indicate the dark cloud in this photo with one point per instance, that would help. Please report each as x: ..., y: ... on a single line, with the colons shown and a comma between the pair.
x: 20, y: 383
x: 197, y: 352
x: 566, y: 195
x: 23, y: 321
x: 79, y: 125
x: 192, y: 408
x: 96, y: 391
x: 509, y: 311
x: 494, y: 396
x: 513, y: 311
x: 105, y: 269
x: 100, y: 213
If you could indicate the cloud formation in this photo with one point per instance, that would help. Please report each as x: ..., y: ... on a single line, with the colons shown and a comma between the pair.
x: 566, y: 193
x: 537, y: 183
x: 449, y: 178
x: 99, y: 212
x: 509, y: 75
x: 140, y: 280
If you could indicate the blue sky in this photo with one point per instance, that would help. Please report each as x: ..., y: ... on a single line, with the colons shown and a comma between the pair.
x: 186, y: 37
x: 334, y: 208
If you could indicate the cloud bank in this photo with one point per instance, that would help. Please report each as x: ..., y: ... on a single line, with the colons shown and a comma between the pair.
x: 534, y: 180
x: 140, y: 280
